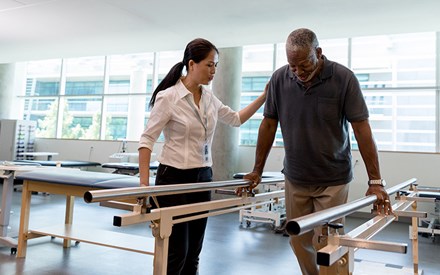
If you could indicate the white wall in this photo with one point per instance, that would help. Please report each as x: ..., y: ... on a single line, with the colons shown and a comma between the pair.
x: 396, y: 167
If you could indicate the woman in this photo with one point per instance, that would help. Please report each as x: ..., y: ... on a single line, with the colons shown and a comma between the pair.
x: 187, y: 112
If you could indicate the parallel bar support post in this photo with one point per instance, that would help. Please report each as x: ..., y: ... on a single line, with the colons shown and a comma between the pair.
x: 160, y: 256
x: 415, y: 240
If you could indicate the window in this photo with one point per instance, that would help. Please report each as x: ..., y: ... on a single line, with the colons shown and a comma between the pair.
x: 404, y: 60
x: 397, y: 74
x: 116, y: 128
x: 41, y: 95
x: 46, y: 88
x: 107, y: 97
x: 93, y: 105
x: 258, y: 65
x: 336, y: 50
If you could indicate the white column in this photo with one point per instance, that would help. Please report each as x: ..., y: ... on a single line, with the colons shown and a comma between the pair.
x: 136, y: 105
x: 227, y: 87
x: 12, y: 83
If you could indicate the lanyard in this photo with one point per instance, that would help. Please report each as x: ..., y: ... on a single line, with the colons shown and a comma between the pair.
x: 205, y: 125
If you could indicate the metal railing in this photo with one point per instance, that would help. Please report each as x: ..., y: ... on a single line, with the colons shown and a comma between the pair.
x: 306, y: 223
x: 136, y: 192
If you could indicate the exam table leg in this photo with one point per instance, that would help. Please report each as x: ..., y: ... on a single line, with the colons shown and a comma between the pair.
x: 70, y: 200
x: 24, y: 220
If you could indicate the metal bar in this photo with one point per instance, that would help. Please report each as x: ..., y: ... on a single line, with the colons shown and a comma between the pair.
x: 428, y: 189
x: 374, y: 245
x: 135, y: 192
x: 334, y: 251
x: 428, y: 194
x: 370, y: 228
x: 419, y: 199
x: 135, y: 218
x: 416, y: 214
x: 119, y: 205
x: 191, y: 210
x: 308, y: 222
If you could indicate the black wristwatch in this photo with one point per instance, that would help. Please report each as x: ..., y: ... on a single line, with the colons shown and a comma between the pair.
x: 380, y: 182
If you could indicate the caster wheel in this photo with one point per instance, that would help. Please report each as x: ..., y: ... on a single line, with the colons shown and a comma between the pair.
x: 13, y: 251
x: 248, y: 223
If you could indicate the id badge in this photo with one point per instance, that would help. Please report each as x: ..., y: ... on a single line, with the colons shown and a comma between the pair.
x: 206, y: 153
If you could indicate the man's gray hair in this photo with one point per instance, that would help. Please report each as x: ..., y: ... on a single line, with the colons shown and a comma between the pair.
x: 302, y: 38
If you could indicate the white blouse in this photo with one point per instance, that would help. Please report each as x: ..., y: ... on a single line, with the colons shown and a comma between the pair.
x: 174, y: 113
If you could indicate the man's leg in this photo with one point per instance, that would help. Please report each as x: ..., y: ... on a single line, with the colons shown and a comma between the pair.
x: 299, y: 203
x: 303, y: 200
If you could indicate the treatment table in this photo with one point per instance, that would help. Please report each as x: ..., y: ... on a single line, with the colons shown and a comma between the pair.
x: 128, y: 168
x: 274, y: 212
x: 73, y: 183
x: 55, y: 163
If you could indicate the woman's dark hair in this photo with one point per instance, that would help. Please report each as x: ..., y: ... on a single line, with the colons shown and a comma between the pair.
x: 196, y: 50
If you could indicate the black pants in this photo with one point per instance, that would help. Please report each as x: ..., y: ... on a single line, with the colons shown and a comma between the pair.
x: 186, y: 238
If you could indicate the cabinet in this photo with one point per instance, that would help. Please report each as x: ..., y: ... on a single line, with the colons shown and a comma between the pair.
x: 16, y: 137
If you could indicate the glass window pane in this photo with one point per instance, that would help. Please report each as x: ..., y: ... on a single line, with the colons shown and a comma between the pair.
x: 130, y: 73
x: 167, y: 60
x: 249, y: 131
x: 403, y: 120
x: 119, y: 86
x: 258, y: 58
x: 335, y: 50
x: 116, y: 128
x: 116, y: 105
x: 257, y: 67
x: 42, y: 83
x: 84, y: 87
x: 401, y: 60
x: 43, y: 77
x: 85, y: 76
x: 116, y: 111
x: 281, y: 58
x: 44, y: 111
x: 81, y: 118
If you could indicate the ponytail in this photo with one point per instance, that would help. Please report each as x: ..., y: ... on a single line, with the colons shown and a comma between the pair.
x: 170, y: 79
x: 196, y: 50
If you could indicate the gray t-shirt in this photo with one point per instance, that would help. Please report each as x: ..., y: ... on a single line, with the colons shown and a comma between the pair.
x: 314, y: 122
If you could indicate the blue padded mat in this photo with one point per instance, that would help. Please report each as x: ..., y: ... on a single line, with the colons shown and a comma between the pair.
x: 76, y: 177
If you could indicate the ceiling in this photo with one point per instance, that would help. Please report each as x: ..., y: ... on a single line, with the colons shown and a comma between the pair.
x: 43, y: 29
